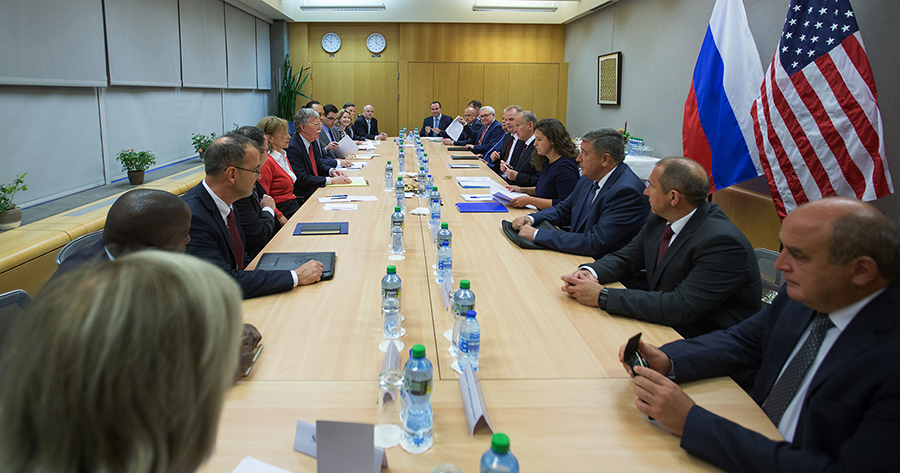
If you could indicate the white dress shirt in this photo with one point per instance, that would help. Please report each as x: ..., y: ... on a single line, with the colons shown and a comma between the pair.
x: 281, y: 159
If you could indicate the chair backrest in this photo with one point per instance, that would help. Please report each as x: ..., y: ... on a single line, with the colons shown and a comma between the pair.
x: 771, y: 278
x: 12, y: 304
x: 77, y: 244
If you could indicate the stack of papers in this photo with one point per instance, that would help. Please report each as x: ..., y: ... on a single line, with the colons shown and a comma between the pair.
x: 367, y: 146
x: 455, y: 129
x: 474, y: 182
x: 354, y: 166
x: 504, y: 196
x: 355, y: 182
x: 347, y: 146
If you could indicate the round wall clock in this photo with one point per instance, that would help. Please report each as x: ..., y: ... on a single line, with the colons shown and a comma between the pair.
x: 375, y: 42
x: 331, y: 42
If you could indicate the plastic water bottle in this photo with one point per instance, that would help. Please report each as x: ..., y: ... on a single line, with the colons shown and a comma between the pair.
x: 390, y: 307
x: 391, y: 287
x: 425, y: 161
x: 399, y: 193
x: 435, y: 197
x: 397, y: 232
x: 443, y: 235
x: 445, y: 263
x: 463, y: 301
x: 469, y: 341
x: 388, y: 176
x: 498, y: 458
x: 401, y: 163
x: 418, y: 418
x: 429, y: 182
x: 420, y: 178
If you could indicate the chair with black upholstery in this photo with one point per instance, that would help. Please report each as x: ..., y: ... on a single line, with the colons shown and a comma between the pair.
x: 12, y: 304
x: 771, y: 278
x: 77, y: 244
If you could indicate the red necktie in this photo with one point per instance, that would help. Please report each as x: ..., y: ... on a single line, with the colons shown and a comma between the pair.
x: 482, y: 135
x: 312, y: 161
x: 664, y: 241
x: 237, y: 245
x: 507, y: 148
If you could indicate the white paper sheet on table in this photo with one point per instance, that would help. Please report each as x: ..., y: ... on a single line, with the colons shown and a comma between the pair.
x: 252, y: 465
x: 367, y: 146
x: 477, y: 197
x: 340, y: 207
x: 347, y: 146
x: 455, y: 129
x: 333, y: 200
x: 363, y: 198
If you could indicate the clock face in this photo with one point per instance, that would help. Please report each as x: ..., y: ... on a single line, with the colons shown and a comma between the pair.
x: 331, y: 42
x: 375, y: 43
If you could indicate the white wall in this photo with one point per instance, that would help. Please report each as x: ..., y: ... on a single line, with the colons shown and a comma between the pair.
x: 660, y: 40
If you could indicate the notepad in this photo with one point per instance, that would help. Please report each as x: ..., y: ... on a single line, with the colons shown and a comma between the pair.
x: 480, y: 207
x: 474, y: 182
x: 462, y: 166
x: 355, y: 182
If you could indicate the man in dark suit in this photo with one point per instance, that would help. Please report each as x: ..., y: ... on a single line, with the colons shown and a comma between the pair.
x: 366, y: 126
x: 826, y: 352
x: 471, y: 128
x: 509, y: 146
x: 232, y: 168
x: 702, y: 274
x: 606, y: 209
x: 260, y: 218
x: 328, y: 140
x: 437, y: 123
x: 489, y: 137
x: 312, y: 171
x: 519, y: 171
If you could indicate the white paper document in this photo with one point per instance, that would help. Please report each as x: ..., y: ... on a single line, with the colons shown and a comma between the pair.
x: 340, y: 207
x: 455, y: 129
x: 476, y: 197
x: 504, y: 196
x: 334, y: 199
x: 474, y: 182
x: 347, y: 146
x: 252, y: 465
x: 363, y: 198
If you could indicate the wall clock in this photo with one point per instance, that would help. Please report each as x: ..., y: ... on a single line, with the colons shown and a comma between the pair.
x: 375, y: 42
x: 331, y: 42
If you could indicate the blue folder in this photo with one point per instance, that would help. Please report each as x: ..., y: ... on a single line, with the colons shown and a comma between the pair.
x: 474, y: 207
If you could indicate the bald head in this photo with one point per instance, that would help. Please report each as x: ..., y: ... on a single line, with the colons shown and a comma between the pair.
x: 147, y: 218
x: 685, y: 176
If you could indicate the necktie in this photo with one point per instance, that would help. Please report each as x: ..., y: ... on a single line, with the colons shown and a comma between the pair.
x: 664, y: 241
x: 237, y: 245
x: 482, y: 135
x: 330, y: 135
x: 312, y: 161
x: 786, y: 386
x: 506, y: 149
x: 369, y: 127
x: 436, y: 123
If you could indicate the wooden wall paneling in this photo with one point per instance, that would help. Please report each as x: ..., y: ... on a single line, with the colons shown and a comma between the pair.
x: 479, y: 42
x: 353, y: 42
x: 421, y: 92
x: 298, y: 48
x: 563, y: 91
x: 446, y: 88
x: 333, y: 82
x: 546, y: 90
x: 376, y: 83
x: 496, y: 87
x: 521, y: 87
x: 471, y: 84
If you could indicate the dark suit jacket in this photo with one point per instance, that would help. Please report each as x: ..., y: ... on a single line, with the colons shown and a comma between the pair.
x: 502, y: 151
x: 331, y: 157
x: 359, y: 129
x: 469, y: 134
x: 616, y: 216
x: 491, y: 140
x: 850, y: 419
x: 298, y: 156
x: 445, y: 121
x: 210, y: 241
x: 259, y: 227
x: 707, y: 280
x: 527, y: 175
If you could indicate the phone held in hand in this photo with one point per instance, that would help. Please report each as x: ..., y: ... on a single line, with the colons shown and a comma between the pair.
x: 632, y: 357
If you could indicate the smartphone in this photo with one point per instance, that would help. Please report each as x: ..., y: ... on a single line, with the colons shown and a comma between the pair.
x: 632, y: 357
x: 256, y: 352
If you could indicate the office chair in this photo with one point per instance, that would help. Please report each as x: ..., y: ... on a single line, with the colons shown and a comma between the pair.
x: 77, y: 244
x: 12, y: 304
x: 771, y: 278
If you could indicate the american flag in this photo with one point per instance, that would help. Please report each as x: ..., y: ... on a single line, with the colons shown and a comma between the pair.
x: 816, y: 121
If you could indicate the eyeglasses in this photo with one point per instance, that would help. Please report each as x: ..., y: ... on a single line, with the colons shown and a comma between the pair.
x: 256, y: 171
x: 483, y: 116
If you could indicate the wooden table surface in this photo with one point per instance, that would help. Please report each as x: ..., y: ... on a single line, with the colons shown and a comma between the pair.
x: 549, y: 365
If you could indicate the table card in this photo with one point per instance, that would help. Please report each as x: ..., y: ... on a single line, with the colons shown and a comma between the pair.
x: 345, y: 446
x: 305, y: 438
x: 473, y: 401
x: 391, y: 362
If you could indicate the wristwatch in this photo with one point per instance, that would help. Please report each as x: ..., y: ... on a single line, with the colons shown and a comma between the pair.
x: 601, y: 300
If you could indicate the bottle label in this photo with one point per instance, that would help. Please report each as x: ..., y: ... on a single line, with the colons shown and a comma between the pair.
x: 445, y: 265
x: 390, y: 293
x: 470, y: 345
x: 436, y: 216
x: 419, y: 388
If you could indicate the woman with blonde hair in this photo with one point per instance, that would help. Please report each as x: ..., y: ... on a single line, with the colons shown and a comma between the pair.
x: 554, y: 158
x: 121, y: 367
x: 276, y: 175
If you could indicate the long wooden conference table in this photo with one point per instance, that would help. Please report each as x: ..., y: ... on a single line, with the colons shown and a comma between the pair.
x: 549, y: 366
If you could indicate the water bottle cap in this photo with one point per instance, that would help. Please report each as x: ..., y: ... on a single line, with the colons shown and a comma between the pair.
x: 434, y: 188
x: 418, y: 351
x: 400, y: 178
x: 443, y: 224
x: 429, y: 175
x: 421, y: 168
x: 392, y: 269
x: 396, y: 209
x: 445, y: 243
x: 389, y: 162
x: 500, y: 443
x: 464, y: 284
x: 470, y: 313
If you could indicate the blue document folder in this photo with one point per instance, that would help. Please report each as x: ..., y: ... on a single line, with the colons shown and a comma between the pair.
x: 474, y: 207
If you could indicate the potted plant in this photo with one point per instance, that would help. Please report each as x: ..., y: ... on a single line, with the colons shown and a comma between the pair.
x: 202, y: 142
x: 10, y: 213
x: 135, y: 162
x: 289, y: 87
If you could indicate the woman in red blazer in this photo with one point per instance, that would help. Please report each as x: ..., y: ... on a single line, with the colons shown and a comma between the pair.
x: 276, y: 175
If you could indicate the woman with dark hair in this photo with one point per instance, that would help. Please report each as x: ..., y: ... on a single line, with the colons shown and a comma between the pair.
x: 553, y: 158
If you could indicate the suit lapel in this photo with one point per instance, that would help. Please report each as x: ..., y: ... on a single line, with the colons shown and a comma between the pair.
x: 683, y: 236
x: 210, y: 205
x: 580, y: 207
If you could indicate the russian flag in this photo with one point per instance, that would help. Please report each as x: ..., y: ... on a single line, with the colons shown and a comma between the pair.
x: 718, y: 126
